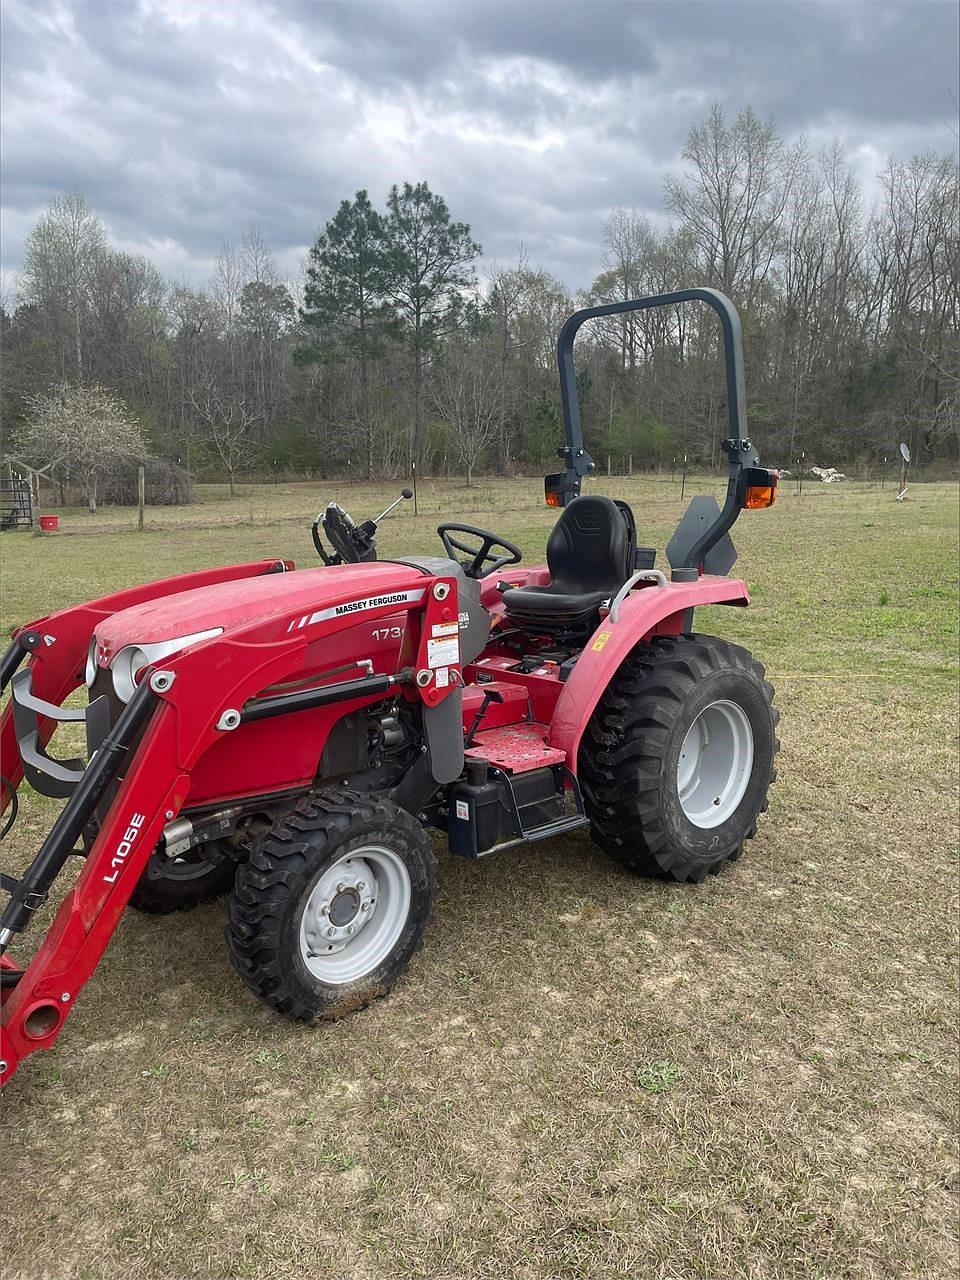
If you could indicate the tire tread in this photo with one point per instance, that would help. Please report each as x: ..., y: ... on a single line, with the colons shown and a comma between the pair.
x: 626, y: 737
x: 271, y: 877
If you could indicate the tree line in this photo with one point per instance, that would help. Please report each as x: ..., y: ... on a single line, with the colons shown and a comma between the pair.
x: 392, y: 349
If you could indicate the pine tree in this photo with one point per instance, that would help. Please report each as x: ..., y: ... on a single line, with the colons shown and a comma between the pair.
x: 431, y: 268
x: 344, y: 298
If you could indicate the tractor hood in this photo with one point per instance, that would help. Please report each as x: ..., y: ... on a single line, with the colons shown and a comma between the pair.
x: 288, y: 597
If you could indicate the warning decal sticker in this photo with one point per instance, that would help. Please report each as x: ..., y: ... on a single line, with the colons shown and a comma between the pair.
x: 444, y: 652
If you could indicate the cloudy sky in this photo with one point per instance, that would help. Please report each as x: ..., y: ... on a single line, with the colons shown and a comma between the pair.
x: 184, y: 122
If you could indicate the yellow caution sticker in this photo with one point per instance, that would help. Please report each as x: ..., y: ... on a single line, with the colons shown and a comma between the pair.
x: 600, y: 641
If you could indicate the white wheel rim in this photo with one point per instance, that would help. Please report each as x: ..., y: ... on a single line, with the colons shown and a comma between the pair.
x: 355, y: 914
x: 715, y: 763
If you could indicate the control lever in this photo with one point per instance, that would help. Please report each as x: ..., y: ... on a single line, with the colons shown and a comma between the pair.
x: 363, y: 533
x: 489, y: 695
x: 404, y: 495
x: 352, y: 543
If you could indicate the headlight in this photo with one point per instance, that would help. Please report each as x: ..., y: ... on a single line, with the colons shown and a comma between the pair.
x: 132, y: 659
x: 125, y: 667
x: 90, y: 670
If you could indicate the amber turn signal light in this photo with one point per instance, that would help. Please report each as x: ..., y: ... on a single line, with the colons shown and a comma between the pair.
x: 559, y: 488
x: 759, y: 496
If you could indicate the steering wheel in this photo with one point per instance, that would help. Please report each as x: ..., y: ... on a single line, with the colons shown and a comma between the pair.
x: 480, y: 557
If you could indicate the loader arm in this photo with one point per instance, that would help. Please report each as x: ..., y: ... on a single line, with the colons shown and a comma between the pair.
x: 179, y: 711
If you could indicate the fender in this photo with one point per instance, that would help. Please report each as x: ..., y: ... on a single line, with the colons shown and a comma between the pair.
x: 652, y: 610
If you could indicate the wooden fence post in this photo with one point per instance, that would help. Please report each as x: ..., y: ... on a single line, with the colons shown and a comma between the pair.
x: 141, y: 488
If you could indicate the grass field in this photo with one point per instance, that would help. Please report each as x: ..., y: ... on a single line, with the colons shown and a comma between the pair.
x: 582, y: 1074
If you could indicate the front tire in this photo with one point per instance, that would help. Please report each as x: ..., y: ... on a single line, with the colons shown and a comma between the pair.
x: 678, y: 757
x: 332, y: 905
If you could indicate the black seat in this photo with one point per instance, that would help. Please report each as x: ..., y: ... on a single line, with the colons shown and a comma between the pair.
x: 589, y: 558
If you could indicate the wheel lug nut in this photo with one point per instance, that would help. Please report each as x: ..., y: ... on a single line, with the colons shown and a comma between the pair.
x: 331, y: 932
x: 340, y: 887
x: 351, y: 928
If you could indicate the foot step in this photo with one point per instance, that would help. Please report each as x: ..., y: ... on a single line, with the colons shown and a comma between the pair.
x: 515, y: 748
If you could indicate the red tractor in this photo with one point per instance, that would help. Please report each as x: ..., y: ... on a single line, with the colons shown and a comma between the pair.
x: 287, y: 737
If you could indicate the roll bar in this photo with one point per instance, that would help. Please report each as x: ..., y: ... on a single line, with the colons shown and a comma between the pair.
x: 739, y: 450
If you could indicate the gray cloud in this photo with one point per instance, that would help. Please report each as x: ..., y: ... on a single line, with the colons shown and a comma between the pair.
x: 186, y: 123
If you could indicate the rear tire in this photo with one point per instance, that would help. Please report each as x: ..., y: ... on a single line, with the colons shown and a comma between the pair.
x: 677, y: 759
x: 332, y: 905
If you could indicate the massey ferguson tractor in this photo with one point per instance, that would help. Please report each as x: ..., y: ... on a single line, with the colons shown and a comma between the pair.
x: 287, y: 738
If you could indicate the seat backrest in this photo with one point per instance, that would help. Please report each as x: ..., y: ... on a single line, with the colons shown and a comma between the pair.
x: 627, y: 512
x: 588, y: 548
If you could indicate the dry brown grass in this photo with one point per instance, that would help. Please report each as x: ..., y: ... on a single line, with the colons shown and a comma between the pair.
x: 583, y: 1074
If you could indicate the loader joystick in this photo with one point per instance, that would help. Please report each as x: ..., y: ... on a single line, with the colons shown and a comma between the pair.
x: 352, y: 543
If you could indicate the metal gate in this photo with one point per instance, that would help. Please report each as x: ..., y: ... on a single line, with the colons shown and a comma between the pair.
x: 16, y: 506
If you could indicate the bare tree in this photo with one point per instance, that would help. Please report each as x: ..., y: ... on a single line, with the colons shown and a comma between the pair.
x: 467, y: 392
x: 630, y: 248
x: 84, y: 428
x: 60, y: 258
x: 505, y: 296
x: 226, y: 288
x: 192, y: 345
x: 266, y: 315
x: 229, y: 424
x: 734, y: 198
x: 126, y: 326
x: 924, y: 197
